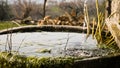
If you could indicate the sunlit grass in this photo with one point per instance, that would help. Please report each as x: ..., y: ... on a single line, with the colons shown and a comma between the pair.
x: 8, y: 24
x: 5, y: 25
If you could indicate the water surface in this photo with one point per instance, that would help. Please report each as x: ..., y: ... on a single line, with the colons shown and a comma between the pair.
x: 32, y: 44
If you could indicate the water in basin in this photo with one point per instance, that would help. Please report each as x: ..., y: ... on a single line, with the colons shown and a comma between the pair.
x: 31, y: 44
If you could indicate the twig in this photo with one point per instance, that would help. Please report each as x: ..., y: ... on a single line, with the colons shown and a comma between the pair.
x: 16, y: 23
x: 20, y: 45
x: 10, y: 45
x: 10, y: 40
x: 66, y: 44
x: 6, y: 43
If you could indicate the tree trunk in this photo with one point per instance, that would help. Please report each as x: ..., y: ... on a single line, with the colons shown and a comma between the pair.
x: 113, y: 21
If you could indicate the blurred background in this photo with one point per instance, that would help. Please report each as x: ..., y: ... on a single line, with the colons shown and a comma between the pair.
x: 20, y: 9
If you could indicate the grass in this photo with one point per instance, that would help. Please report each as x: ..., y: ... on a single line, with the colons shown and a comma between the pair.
x: 5, y: 25
x: 8, y: 24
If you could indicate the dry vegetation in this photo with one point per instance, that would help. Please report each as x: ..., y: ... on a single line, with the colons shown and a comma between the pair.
x: 66, y: 19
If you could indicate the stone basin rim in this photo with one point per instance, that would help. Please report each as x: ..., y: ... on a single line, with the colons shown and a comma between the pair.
x: 48, y: 28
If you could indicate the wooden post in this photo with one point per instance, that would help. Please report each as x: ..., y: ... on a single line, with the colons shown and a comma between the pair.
x: 113, y: 21
x: 44, y: 8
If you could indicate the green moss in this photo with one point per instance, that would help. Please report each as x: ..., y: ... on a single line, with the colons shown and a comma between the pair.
x: 8, y: 60
x: 43, y: 51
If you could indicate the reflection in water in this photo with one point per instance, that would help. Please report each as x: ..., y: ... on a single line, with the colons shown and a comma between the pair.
x: 36, y: 42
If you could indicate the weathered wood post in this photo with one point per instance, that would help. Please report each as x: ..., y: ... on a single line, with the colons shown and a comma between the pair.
x: 113, y: 21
